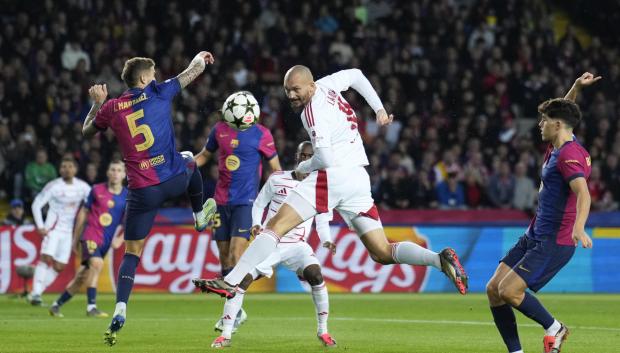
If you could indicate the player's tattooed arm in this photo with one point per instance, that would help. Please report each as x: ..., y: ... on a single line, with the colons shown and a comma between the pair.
x: 98, y: 93
x: 195, y: 68
x: 582, y: 81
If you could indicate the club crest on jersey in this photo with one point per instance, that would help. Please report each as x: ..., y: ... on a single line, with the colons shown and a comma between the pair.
x: 105, y: 219
x: 110, y: 203
x: 232, y: 162
x: 588, y: 161
x: 234, y: 143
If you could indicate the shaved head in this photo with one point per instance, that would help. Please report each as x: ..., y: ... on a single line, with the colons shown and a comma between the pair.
x: 299, y: 86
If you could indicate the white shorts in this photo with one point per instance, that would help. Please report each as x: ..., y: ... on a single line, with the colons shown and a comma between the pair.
x: 294, y: 256
x: 346, y: 189
x: 57, y: 244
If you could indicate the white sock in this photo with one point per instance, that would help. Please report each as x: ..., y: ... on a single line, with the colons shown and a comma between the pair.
x: 519, y: 351
x: 50, y: 276
x: 321, y: 304
x: 121, y: 309
x: 554, y: 328
x: 264, y: 244
x: 38, y: 282
x: 410, y: 253
x: 90, y: 307
x: 231, y: 309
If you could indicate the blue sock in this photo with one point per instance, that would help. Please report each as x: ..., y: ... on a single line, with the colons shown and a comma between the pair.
x: 194, y: 190
x: 226, y: 271
x: 125, y: 277
x: 506, y: 324
x: 91, y: 294
x: 64, y: 297
x: 531, y: 307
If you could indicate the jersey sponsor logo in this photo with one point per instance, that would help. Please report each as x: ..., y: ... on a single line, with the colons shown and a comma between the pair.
x: 155, y: 161
x: 234, y: 143
x: 232, y: 162
x: 105, y: 219
x: 127, y: 104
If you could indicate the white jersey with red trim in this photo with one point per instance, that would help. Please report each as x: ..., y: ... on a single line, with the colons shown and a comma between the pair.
x: 331, y: 122
x: 64, y: 200
x: 273, y: 194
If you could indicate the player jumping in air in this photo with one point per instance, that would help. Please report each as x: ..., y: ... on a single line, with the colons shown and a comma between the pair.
x: 142, y: 122
x: 102, y: 214
x: 554, y: 233
x: 293, y: 252
x: 64, y: 196
x: 240, y: 168
x: 336, y: 179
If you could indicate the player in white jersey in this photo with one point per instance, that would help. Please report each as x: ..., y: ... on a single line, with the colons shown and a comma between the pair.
x: 293, y: 252
x: 337, y: 179
x: 64, y: 196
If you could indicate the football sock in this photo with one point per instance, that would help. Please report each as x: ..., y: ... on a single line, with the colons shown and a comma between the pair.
x: 64, y: 297
x: 231, y: 309
x: 38, y: 282
x: 91, y: 296
x: 120, y: 309
x: 226, y: 271
x: 413, y: 254
x: 506, y: 323
x: 264, y: 244
x: 531, y: 307
x: 321, y: 304
x: 50, y: 277
x: 554, y: 328
x: 126, y: 274
x: 194, y: 190
x: 519, y: 351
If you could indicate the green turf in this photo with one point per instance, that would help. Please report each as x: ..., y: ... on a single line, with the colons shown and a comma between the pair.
x: 438, y: 323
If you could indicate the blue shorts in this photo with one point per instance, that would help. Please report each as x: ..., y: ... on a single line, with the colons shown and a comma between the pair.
x: 91, y: 249
x: 232, y: 221
x: 143, y: 204
x: 537, y: 262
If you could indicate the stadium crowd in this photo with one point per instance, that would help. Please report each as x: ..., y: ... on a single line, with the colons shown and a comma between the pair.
x: 458, y: 76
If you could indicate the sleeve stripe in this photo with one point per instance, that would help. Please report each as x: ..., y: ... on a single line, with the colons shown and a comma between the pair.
x: 309, y: 115
x: 575, y: 176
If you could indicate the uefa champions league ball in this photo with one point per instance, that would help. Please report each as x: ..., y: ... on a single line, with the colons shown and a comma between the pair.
x: 241, y: 110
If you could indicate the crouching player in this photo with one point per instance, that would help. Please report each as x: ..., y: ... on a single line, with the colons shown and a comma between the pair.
x: 102, y: 214
x: 293, y: 252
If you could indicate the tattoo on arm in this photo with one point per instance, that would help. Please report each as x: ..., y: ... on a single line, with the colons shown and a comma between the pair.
x: 89, y: 128
x: 195, y: 68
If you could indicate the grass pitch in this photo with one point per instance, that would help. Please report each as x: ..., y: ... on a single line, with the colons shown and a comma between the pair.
x: 437, y: 323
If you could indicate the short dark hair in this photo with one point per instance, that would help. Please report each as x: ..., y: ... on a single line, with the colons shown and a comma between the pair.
x: 563, y: 109
x: 69, y: 159
x: 133, y: 68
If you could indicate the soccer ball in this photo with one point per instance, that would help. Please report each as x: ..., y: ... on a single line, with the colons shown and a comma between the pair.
x: 241, y: 110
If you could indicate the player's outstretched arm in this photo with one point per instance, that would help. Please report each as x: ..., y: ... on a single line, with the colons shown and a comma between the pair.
x: 202, y: 157
x: 584, y: 80
x: 580, y: 187
x: 323, y: 158
x: 98, y: 93
x: 195, y: 68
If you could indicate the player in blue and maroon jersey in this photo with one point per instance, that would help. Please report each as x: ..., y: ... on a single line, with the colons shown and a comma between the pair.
x: 102, y: 214
x: 240, y: 169
x: 142, y: 122
x: 557, y: 228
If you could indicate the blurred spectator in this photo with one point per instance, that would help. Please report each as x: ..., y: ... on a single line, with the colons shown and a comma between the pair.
x: 450, y: 192
x: 397, y: 191
x: 525, y: 193
x: 501, y: 187
x: 16, y: 216
x: 39, y: 172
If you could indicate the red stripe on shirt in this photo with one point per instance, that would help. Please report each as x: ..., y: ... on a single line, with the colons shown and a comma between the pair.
x: 321, y: 192
x: 311, y: 114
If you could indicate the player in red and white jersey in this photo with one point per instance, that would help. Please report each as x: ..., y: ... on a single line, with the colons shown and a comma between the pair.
x: 64, y: 196
x: 293, y: 252
x: 336, y: 179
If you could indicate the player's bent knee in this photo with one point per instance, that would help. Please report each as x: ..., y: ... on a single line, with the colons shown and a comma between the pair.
x: 492, y: 290
x: 509, y: 295
x: 95, y: 264
x: 312, y: 274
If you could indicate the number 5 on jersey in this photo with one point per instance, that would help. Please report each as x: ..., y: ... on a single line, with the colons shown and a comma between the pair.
x: 143, y: 130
